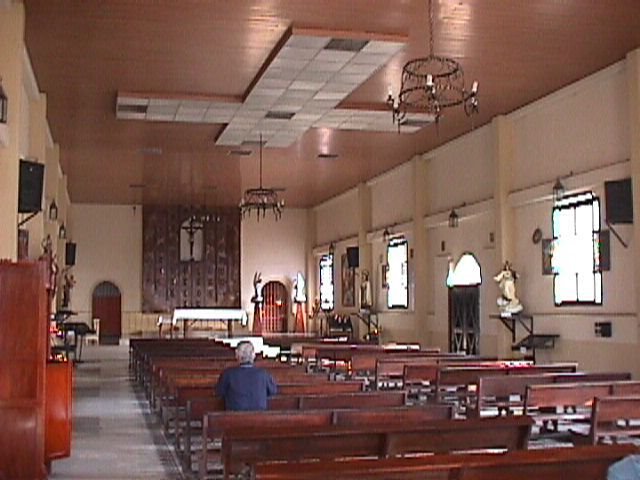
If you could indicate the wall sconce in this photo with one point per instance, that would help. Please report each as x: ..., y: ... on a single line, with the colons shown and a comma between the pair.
x: 558, y: 190
x: 4, y: 105
x: 454, y: 219
x: 332, y: 248
x: 53, y: 211
x: 386, y: 234
x: 62, y: 231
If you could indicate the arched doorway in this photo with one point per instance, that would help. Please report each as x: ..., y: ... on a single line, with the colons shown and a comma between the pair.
x: 464, y: 305
x: 106, y: 304
x: 275, y: 311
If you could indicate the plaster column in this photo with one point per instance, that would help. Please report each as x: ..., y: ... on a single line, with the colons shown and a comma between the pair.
x: 37, y: 151
x: 633, y: 82
x: 312, y: 269
x: 503, y: 158
x: 11, y: 71
x: 421, y: 291
x: 364, y: 247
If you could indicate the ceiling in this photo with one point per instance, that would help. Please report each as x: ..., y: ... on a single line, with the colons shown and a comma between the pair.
x: 88, y: 54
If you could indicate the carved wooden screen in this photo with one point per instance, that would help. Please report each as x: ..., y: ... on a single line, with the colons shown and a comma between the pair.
x: 168, y: 282
x: 275, y: 307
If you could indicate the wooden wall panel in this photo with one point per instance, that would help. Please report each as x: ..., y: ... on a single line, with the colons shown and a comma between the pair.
x: 59, y: 389
x: 23, y: 351
x: 168, y: 282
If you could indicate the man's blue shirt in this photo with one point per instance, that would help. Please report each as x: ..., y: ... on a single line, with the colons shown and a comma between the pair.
x: 245, y: 387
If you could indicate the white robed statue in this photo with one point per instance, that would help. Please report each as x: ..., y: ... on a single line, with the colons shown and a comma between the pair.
x: 508, y: 301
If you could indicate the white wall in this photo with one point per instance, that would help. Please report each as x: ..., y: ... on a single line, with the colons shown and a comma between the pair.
x: 109, y: 247
x: 461, y: 171
x: 276, y: 249
x: 337, y: 218
x: 392, y: 196
x: 576, y: 129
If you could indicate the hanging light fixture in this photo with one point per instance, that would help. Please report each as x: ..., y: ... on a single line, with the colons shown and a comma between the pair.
x: 431, y: 84
x: 53, y: 211
x: 558, y: 190
x: 261, y: 198
x: 4, y: 105
x: 454, y: 219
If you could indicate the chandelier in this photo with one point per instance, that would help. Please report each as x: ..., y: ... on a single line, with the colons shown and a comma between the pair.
x: 431, y: 84
x: 261, y: 198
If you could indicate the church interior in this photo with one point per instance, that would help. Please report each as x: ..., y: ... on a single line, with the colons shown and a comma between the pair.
x: 421, y: 213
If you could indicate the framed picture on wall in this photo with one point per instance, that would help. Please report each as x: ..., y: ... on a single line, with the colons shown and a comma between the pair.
x: 348, y: 283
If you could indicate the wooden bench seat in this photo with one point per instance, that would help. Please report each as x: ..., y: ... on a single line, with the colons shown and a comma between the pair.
x: 504, y: 395
x: 218, y: 424
x: 189, y: 422
x: 568, y: 402
x: 613, y: 419
x: 243, y: 449
x: 580, y: 463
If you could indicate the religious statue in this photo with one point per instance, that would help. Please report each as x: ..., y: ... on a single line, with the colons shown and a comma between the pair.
x: 299, y: 298
x: 365, y: 291
x: 508, y: 301
x: 299, y: 295
x: 257, y: 290
x: 68, y: 283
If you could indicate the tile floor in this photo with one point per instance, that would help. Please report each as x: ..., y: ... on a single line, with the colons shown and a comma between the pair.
x: 115, y: 437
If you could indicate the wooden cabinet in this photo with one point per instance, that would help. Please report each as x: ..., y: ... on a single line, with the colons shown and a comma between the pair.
x: 59, y: 388
x: 24, y: 323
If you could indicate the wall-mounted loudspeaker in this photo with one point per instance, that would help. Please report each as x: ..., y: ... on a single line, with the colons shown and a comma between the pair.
x: 70, y: 254
x: 353, y: 257
x: 618, y: 197
x: 30, y: 186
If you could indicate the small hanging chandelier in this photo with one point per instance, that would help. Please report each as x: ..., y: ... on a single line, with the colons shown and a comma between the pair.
x: 431, y: 84
x: 261, y: 198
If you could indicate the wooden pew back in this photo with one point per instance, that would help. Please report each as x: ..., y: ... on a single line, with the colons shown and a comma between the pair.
x: 242, y: 448
x: 584, y: 463
x: 615, y: 418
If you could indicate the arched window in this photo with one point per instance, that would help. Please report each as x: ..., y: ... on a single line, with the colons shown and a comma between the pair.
x: 466, y: 272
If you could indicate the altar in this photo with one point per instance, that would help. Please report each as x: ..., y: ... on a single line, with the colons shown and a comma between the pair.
x: 190, y: 315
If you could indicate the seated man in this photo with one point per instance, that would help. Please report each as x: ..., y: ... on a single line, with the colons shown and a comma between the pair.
x: 245, y: 387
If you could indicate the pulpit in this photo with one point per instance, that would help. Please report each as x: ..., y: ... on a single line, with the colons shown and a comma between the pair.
x: 25, y: 451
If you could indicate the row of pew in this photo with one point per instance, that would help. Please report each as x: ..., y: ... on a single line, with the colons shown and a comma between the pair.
x: 334, y: 418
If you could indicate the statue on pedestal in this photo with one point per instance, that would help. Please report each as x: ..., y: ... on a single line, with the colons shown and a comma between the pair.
x: 366, y: 299
x: 508, y: 301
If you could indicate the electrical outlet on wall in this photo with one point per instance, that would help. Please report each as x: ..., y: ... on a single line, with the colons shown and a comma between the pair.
x: 603, y: 329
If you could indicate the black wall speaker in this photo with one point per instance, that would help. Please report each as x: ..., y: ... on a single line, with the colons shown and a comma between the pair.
x: 353, y: 257
x: 618, y: 197
x: 30, y: 186
x: 70, y: 254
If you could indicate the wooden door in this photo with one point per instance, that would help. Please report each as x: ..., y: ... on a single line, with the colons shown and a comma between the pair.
x: 464, y: 319
x: 107, y: 306
x: 275, y: 312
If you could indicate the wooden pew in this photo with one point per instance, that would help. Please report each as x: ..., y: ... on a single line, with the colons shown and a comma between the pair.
x: 459, y: 385
x: 583, y: 463
x: 219, y: 424
x: 614, y: 419
x: 505, y: 394
x: 550, y: 404
x: 172, y: 408
x: 190, y: 424
x: 243, y: 449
